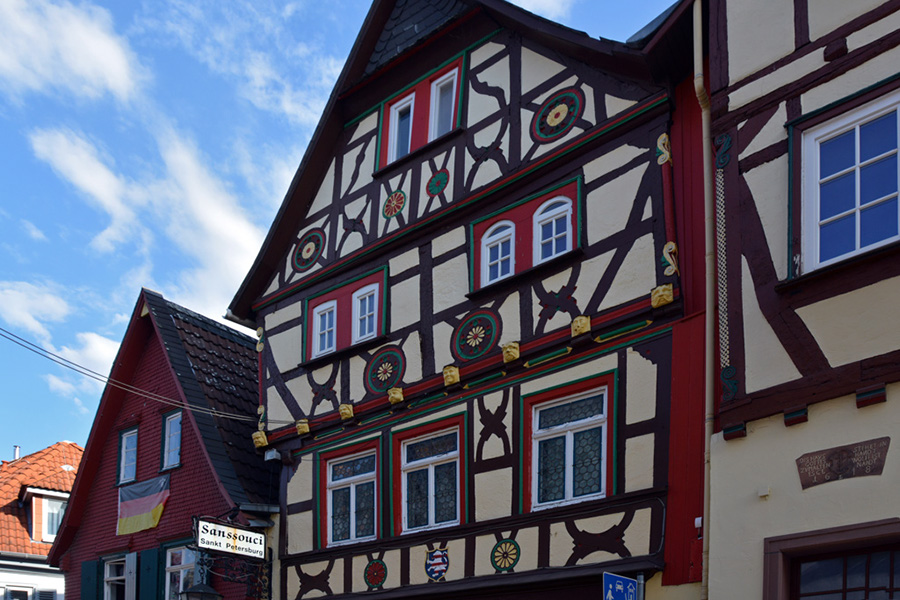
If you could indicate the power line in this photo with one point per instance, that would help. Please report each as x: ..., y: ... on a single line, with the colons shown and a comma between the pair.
x: 86, y: 372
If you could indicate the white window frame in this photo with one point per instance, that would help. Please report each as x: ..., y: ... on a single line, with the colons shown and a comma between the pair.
x: 124, y: 453
x: 8, y: 595
x: 128, y: 577
x: 430, y: 463
x: 168, y: 445
x: 436, y: 85
x: 325, y: 307
x: 568, y: 430
x: 184, y: 566
x: 352, y: 483
x: 46, y: 501
x: 360, y: 294
x: 396, y: 108
x: 492, y: 238
x: 814, y: 136
x: 546, y: 212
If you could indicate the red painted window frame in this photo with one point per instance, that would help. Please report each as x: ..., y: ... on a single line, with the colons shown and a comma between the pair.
x: 421, y: 118
x: 337, y: 454
x: 398, y: 438
x: 343, y: 297
x: 522, y: 217
x: 607, y: 380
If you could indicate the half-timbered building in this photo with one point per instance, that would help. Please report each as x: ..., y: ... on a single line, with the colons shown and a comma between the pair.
x: 479, y: 349
x: 804, y: 105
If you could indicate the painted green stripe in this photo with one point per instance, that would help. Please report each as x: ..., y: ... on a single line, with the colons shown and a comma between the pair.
x: 485, y: 379
x: 622, y: 330
x: 547, y: 357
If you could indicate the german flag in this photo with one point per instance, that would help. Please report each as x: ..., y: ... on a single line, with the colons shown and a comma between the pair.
x: 141, y: 505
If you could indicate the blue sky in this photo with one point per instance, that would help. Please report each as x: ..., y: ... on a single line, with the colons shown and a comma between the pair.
x: 149, y: 144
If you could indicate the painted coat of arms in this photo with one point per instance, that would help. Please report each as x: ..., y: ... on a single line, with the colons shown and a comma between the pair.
x: 436, y: 563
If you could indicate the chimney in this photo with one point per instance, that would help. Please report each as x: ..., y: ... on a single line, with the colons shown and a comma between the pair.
x: 15, y: 452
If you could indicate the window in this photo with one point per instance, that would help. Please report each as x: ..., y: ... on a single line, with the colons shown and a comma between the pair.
x: 172, y: 441
x: 127, y: 456
x: 17, y: 593
x: 346, y: 315
x: 568, y: 444
x: 525, y: 234
x: 401, y: 127
x: 365, y: 310
x: 497, y: 256
x: 443, y: 104
x: 52, y: 510
x: 352, y: 498
x: 850, y: 179
x: 420, y: 113
x: 552, y: 229
x: 119, y: 577
x: 430, y: 480
x: 324, y: 326
x: 179, y: 572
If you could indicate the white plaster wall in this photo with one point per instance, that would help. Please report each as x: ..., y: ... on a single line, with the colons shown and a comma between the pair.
x: 301, y: 391
x: 772, y: 132
x: 449, y: 241
x: 442, y: 334
x: 594, y: 367
x: 448, y: 284
x: 404, y: 262
x: 413, y: 351
x: 283, y: 315
x: 404, y: 303
x: 769, y: 185
x: 827, y: 15
x: 493, y: 446
x: 325, y: 193
x: 299, y: 535
x: 741, y: 520
x: 856, y: 325
x: 639, y: 462
x: 759, y: 33
x: 637, y: 536
x: 552, y: 285
x: 493, y: 496
x: 641, y: 386
x: 536, y: 69
x: 611, y: 161
x: 615, y: 105
x: 637, y: 275
x: 609, y: 205
x: 357, y: 378
x: 783, y: 76
x: 366, y: 167
x: 766, y: 362
x: 277, y: 413
x: 591, y: 272
x: 873, y: 71
x: 286, y: 348
x: 878, y: 29
x: 488, y: 171
x: 509, y: 319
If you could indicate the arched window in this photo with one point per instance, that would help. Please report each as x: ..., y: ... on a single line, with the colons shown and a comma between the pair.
x: 552, y: 229
x: 498, y: 252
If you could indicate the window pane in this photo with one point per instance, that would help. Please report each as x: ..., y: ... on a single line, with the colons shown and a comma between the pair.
x: 546, y: 249
x: 837, y: 154
x: 493, y: 272
x: 837, y: 238
x: 560, y: 224
x: 494, y: 253
x: 879, y: 570
x: 444, y: 109
x: 560, y: 244
x: 547, y: 230
x: 404, y: 119
x: 878, y: 223
x: 587, y: 456
x: 571, y: 411
x: 856, y: 571
x: 340, y: 514
x: 878, y: 136
x: 365, y: 509
x: 445, y: 492
x: 352, y: 468
x: 551, y: 469
x: 821, y: 575
x: 878, y: 180
x: 417, y: 498
x: 442, y: 444
x: 837, y: 196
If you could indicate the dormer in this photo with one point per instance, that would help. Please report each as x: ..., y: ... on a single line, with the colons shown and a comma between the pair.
x: 45, y: 509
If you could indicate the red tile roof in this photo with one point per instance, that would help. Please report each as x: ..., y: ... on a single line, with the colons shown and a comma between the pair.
x: 44, y: 470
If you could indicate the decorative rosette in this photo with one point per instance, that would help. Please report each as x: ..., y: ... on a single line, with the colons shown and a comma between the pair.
x: 476, y: 335
x: 393, y: 204
x: 309, y: 249
x: 438, y: 182
x: 385, y: 370
x: 557, y: 115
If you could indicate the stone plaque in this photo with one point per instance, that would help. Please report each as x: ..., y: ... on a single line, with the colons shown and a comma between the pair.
x: 843, y: 462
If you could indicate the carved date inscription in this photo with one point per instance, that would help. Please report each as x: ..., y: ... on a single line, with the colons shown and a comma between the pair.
x: 843, y: 462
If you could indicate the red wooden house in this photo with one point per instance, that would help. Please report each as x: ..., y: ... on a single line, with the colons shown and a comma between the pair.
x: 163, y: 449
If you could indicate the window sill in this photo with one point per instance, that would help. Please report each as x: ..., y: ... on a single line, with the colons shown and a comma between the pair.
x: 846, y: 268
x: 417, y: 153
x: 170, y: 468
x: 318, y: 361
x: 544, y: 267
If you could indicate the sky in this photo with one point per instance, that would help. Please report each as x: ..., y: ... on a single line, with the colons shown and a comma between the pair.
x: 149, y: 144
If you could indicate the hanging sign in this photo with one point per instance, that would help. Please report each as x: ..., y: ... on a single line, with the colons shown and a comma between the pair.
x: 230, y: 539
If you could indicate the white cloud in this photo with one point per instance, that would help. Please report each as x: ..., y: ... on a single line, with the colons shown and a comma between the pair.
x: 93, y: 352
x: 78, y: 161
x: 79, y: 405
x: 33, y: 232
x: 549, y: 9
x: 46, y: 45
x: 31, y: 306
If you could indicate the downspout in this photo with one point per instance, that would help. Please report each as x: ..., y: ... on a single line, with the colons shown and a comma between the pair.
x: 708, y: 205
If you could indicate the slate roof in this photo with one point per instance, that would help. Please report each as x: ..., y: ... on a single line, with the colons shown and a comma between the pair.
x: 216, y: 367
x: 410, y: 22
x: 42, y: 469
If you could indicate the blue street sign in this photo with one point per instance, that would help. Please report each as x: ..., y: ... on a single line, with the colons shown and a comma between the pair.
x: 616, y: 587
